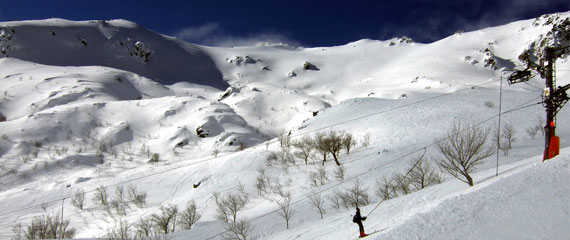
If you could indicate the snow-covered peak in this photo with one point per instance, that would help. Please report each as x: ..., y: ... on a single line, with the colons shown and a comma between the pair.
x: 112, y: 44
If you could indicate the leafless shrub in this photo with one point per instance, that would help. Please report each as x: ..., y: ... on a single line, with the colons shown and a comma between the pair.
x: 463, y: 149
x: 119, y: 207
x: 285, y: 141
x: 422, y: 174
x: 320, y: 145
x: 241, y: 146
x: 26, y: 158
x: 229, y: 205
x: 271, y: 159
x: 61, y: 150
x: 305, y: 147
x: 489, y: 104
x: 102, y: 147
x: 532, y: 131
x: 348, y: 142
x: 101, y: 197
x: 319, y: 177
x: 215, y: 152
x: 286, y: 157
x: 238, y: 230
x: 44, y: 206
x: 508, y: 134
x: 143, y: 228
x: 120, y: 194
x: 316, y: 200
x: 356, y: 196
x: 366, y: 140
x: 386, y: 188
x: 155, y: 158
x: 165, y: 221
x: 340, y: 173
x: 78, y: 199
x: 121, y: 231
x: 189, y: 216
x: 139, y: 198
x: 284, y: 202
x: 262, y: 181
x: 48, y: 227
x: 18, y: 231
x: 335, y: 199
x: 403, y: 183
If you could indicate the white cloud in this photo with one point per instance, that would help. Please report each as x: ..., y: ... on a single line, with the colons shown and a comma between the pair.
x: 212, y: 34
x: 198, y: 33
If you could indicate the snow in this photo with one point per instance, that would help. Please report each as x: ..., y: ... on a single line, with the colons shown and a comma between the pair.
x: 112, y: 109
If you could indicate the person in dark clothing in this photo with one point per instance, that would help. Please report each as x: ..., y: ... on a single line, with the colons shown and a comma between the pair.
x: 358, y: 220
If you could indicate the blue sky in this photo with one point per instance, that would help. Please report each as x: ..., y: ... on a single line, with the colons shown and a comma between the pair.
x: 309, y: 23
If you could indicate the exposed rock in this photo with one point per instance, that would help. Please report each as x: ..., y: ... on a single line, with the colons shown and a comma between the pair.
x: 310, y: 66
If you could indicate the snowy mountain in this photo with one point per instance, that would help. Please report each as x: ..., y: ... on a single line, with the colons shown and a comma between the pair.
x: 111, y: 105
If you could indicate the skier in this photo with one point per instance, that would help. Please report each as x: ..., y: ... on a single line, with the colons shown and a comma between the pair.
x: 358, y: 220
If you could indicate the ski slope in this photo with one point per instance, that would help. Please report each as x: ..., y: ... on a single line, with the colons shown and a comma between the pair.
x: 80, y: 116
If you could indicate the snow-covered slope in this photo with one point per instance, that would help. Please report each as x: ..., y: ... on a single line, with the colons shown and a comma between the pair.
x: 91, y: 114
x: 117, y: 43
x: 528, y: 200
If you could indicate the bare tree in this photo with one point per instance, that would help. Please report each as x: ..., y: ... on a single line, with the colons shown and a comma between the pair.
x: 335, y: 199
x: 366, y: 140
x: 333, y: 144
x: 316, y: 200
x: 139, y: 198
x: 165, y: 221
x: 321, y: 145
x: 101, y: 197
x: 403, y: 183
x: 463, y: 149
x: 532, y: 131
x: 78, y: 199
x: 262, y: 181
x: 18, y: 231
x: 119, y: 207
x: 189, y: 216
x: 422, y: 174
x: 285, y: 141
x: 348, y: 142
x: 340, y: 173
x: 143, y: 228
x: 305, y: 147
x: 239, y: 230
x: 229, y: 205
x: 319, y: 177
x: 508, y: 134
x: 356, y: 196
x: 215, y: 152
x: 121, y: 231
x: 49, y: 227
x: 284, y: 203
x: 386, y: 188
